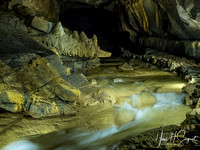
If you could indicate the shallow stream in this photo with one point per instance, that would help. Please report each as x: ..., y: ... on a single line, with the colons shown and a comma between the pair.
x: 146, y: 98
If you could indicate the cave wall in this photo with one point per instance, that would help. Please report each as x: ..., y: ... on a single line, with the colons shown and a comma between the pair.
x: 175, y: 19
x: 167, y: 18
x: 172, y: 26
x: 48, y: 9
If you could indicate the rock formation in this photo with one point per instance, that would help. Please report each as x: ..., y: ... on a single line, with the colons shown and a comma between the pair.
x: 155, y: 24
x: 39, y: 57
x: 48, y: 9
x: 33, y: 77
x: 71, y: 43
x: 161, y: 18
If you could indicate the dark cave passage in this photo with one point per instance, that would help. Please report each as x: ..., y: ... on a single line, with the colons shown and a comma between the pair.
x: 104, y: 24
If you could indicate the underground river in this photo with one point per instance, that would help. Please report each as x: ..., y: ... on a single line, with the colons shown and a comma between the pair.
x: 145, y: 98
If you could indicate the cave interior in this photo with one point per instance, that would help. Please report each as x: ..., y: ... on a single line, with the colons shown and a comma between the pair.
x: 99, y: 74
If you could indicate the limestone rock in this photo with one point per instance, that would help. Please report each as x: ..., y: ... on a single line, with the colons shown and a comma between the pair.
x: 148, y: 17
x: 196, y: 112
x: 189, y: 89
x: 162, y: 21
x: 83, y: 37
x: 94, y: 82
x: 71, y: 44
x: 65, y: 91
x: 126, y: 66
x: 76, y: 35
x: 42, y: 86
x: 188, y: 101
x: 198, y: 104
x: 102, y: 54
x: 14, y: 38
x: 144, y: 140
x: 103, y: 97
x: 14, y: 2
x: 33, y: 78
x: 22, y: 10
x: 58, y: 30
x: 77, y: 64
x: 192, y: 49
x: 90, y: 93
x: 190, y: 123
x: 77, y: 80
x: 143, y: 99
x: 41, y: 107
x: 123, y: 116
x: 54, y: 85
x: 11, y: 100
x: 42, y: 24
x: 48, y: 9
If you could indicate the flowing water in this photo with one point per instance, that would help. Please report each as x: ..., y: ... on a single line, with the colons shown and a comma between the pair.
x: 146, y: 98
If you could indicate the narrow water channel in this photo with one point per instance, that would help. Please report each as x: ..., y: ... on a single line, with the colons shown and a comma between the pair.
x: 146, y: 98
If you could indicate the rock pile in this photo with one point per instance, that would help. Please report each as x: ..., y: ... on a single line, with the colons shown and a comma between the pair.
x: 186, y: 68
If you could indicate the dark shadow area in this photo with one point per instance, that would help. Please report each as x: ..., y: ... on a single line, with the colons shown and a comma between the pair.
x: 105, y: 24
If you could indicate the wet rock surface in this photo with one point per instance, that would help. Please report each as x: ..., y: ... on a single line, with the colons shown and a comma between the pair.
x: 126, y: 66
x: 33, y: 78
x: 148, y: 139
x: 31, y: 89
x: 38, y: 129
x: 79, y: 64
x: 186, y: 68
x: 185, y: 136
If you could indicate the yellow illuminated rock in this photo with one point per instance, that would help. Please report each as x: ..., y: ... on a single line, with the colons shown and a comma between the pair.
x: 17, y: 99
x: 123, y: 116
x: 144, y: 99
x: 65, y: 91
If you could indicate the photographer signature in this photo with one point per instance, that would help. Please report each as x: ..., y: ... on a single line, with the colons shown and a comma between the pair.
x: 176, y: 139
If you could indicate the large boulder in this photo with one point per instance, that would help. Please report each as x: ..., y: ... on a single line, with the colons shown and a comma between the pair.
x: 42, y: 24
x: 37, y: 89
x: 43, y: 78
x: 143, y: 100
x: 123, y: 116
